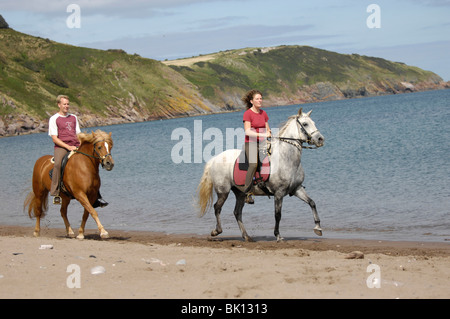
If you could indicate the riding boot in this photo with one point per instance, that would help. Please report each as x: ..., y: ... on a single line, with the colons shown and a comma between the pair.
x: 100, y: 202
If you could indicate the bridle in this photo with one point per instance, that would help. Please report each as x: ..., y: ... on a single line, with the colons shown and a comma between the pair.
x: 298, y: 142
x: 101, y: 158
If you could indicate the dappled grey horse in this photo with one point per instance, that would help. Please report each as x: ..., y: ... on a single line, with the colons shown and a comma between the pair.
x: 286, y: 174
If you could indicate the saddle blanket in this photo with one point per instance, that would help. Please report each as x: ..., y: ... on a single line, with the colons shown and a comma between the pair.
x: 241, y: 167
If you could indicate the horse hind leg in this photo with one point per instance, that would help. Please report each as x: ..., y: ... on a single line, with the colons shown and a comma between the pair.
x: 278, y: 205
x: 65, y: 204
x: 37, y: 206
x: 301, y: 193
x: 240, y: 202
x: 222, y: 197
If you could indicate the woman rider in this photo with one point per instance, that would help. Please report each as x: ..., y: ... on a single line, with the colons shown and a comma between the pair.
x: 256, y: 129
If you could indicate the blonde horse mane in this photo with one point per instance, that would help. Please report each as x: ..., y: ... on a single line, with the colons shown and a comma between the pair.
x: 95, y: 137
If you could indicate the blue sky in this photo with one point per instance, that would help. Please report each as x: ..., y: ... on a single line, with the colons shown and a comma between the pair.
x: 411, y: 31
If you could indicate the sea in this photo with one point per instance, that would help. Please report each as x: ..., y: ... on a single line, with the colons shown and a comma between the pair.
x: 383, y: 173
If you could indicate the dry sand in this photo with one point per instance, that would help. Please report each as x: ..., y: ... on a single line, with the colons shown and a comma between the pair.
x: 152, y: 265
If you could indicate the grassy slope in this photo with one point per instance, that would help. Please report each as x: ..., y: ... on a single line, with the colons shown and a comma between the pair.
x: 105, y: 85
x: 286, y: 69
x: 33, y: 71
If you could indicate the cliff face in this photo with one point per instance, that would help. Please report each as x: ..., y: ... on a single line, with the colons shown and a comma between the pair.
x: 112, y: 87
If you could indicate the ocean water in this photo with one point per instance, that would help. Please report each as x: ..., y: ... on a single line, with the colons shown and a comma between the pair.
x: 383, y: 173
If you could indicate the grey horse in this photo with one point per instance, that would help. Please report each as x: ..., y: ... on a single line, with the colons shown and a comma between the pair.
x: 286, y: 174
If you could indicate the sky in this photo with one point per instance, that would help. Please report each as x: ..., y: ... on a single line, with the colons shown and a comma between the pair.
x: 414, y: 32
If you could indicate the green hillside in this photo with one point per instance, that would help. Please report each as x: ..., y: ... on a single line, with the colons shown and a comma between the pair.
x: 294, y: 71
x: 110, y: 84
x: 112, y: 87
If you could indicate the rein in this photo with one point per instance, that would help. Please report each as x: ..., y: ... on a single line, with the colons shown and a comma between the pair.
x: 299, y: 143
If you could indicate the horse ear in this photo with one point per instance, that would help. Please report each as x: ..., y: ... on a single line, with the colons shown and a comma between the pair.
x: 309, y: 113
x: 110, y: 134
x: 300, y: 112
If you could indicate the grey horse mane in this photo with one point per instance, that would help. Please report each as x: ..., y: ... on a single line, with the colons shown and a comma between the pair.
x: 285, y: 125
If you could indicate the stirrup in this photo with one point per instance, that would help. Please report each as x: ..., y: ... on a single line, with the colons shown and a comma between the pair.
x: 249, y: 198
x: 57, y: 200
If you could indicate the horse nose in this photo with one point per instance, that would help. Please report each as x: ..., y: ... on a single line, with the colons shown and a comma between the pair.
x: 320, y: 140
x: 108, y: 164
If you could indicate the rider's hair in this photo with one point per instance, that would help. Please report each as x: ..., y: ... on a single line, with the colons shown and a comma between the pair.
x: 249, y: 96
x: 58, y: 99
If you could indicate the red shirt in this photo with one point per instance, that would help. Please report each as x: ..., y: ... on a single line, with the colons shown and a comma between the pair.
x: 258, y: 123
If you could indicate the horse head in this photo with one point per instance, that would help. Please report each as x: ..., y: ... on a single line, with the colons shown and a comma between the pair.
x: 102, y: 148
x: 309, y: 130
x: 102, y: 144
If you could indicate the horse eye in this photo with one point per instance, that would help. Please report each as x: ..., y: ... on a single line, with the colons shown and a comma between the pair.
x: 305, y: 124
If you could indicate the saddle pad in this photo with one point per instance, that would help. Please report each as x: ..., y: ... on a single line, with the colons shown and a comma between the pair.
x: 239, y: 173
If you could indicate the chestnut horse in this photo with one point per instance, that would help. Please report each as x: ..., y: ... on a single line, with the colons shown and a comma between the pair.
x: 81, y: 180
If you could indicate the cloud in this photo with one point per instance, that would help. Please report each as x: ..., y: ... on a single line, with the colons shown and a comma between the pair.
x: 116, y: 8
x: 182, y: 44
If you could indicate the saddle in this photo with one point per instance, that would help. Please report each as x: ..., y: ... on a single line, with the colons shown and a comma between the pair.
x: 241, y: 165
x: 64, y: 161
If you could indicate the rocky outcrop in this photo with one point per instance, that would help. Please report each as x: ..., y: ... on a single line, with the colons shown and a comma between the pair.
x: 3, y: 24
x: 327, y: 91
x: 127, y: 112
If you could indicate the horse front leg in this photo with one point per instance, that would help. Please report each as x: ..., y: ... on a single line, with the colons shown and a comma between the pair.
x: 278, y: 205
x: 222, y: 197
x: 83, y: 225
x: 301, y: 193
x: 240, y: 202
x: 88, y: 207
x: 63, y: 210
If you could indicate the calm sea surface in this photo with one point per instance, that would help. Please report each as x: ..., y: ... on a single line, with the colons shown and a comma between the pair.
x: 384, y: 173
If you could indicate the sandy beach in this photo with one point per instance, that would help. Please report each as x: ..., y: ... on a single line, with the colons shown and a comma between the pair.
x: 160, y: 266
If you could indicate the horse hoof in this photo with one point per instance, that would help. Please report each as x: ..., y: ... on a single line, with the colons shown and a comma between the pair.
x: 104, y: 235
x: 318, y: 231
x: 279, y: 239
x: 36, y: 234
x: 80, y: 236
x: 215, y: 232
x: 249, y: 239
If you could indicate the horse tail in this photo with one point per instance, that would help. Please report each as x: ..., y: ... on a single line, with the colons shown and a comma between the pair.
x: 35, y: 206
x: 205, y: 191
